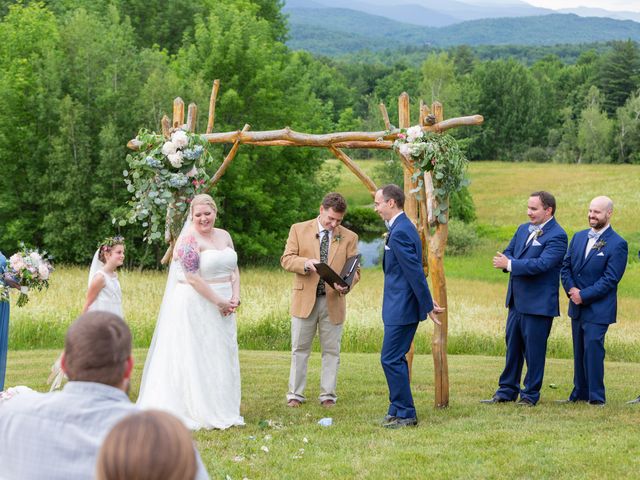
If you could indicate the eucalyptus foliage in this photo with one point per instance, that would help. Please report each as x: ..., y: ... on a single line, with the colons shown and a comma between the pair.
x: 163, y: 176
x: 440, y: 155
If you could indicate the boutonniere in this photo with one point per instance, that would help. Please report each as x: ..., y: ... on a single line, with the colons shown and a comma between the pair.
x: 539, y: 233
x: 598, y: 245
x: 385, y: 237
x: 337, y: 238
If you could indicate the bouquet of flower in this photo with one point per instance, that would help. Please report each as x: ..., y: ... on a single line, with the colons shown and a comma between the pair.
x: 31, y: 269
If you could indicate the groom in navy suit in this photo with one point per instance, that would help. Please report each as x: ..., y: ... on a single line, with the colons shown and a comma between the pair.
x: 533, y: 259
x: 406, y: 302
x: 595, y: 263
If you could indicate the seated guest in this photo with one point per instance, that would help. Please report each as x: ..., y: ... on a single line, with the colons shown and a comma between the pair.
x: 151, y: 445
x: 57, y: 435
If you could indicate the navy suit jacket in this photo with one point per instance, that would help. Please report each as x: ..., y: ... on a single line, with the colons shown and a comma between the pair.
x: 534, y: 281
x: 406, y: 298
x: 597, y: 276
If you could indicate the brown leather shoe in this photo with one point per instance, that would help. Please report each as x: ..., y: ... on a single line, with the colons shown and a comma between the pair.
x: 294, y: 403
x: 328, y: 403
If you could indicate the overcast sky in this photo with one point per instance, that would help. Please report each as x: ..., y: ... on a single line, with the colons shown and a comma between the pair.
x: 628, y: 5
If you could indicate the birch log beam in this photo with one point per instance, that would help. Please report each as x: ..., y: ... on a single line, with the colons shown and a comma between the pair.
x: 355, y: 169
x: 212, y: 105
x: 178, y: 113
x: 289, y: 138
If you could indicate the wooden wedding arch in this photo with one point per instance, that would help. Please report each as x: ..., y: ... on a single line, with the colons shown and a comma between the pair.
x: 418, y: 207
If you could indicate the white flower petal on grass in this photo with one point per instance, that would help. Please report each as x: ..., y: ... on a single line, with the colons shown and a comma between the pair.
x: 264, y: 448
x: 305, y: 440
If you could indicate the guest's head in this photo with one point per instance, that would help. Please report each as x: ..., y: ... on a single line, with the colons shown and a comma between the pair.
x: 332, y: 210
x: 150, y: 445
x: 600, y: 211
x: 541, y: 207
x: 111, y: 250
x: 97, y: 349
x: 389, y: 201
x: 203, y: 212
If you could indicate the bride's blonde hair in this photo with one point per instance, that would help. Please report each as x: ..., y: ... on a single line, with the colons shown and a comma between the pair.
x: 202, y: 199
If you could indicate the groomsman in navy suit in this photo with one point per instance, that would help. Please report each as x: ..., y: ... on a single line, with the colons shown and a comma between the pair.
x: 591, y: 271
x: 533, y: 259
x: 406, y: 302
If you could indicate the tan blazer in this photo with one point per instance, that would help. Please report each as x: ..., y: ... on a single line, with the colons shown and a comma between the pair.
x: 303, y: 243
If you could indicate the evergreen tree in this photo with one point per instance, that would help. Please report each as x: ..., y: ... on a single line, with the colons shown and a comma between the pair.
x: 619, y: 74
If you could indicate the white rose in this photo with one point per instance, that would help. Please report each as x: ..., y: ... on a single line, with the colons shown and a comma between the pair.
x: 192, y: 172
x: 43, y: 272
x: 169, y: 148
x: 180, y: 139
x: 414, y: 133
x: 404, y: 149
x: 175, y: 159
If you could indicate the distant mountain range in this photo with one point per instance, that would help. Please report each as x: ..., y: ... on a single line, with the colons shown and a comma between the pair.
x: 327, y: 30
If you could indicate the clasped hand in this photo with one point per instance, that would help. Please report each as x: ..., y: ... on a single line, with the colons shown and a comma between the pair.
x: 574, y: 295
x: 227, y: 307
x: 500, y: 261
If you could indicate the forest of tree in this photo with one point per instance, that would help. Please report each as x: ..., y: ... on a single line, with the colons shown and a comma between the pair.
x: 79, y: 78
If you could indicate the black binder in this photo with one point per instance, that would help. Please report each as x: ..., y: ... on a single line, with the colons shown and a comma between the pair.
x: 345, y: 278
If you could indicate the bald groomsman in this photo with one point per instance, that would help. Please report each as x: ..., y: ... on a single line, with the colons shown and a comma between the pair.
x: 591, y: 271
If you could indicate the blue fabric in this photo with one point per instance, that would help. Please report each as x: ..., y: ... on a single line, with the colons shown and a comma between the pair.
x: 588, y: 361
x: 406, y: 297
x: 533, y: 301
x: 4, y: 326
x: 597, y: 277
x: 535, y: 270
x: 406, y: 302
x: 526, y: 340
x: 395, y: 345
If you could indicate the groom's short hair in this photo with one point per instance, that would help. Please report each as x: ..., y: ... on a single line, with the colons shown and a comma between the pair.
x: 96, y: 348
x: 393, y: 192
x: 334, y: 201
x: 547, y: 200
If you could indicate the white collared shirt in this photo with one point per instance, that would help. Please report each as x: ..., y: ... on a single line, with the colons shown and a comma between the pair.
x: 531, y: 236
x: 592, y: 241
x: 393, y: 219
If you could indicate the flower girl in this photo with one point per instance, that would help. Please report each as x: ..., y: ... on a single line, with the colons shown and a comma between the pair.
x: 104, y: 291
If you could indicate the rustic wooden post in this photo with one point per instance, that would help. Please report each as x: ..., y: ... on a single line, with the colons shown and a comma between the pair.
x: 437, y: 244
x: 410, y: 202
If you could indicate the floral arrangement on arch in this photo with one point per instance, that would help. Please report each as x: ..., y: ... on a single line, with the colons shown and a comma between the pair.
x: 163, y: 174
x: 31, y: 269
x: 439, y: 154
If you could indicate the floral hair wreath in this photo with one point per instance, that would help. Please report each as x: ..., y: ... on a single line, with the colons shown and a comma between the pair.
x: 110, y: 242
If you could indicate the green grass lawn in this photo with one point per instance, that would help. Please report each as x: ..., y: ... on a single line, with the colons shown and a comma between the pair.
x: 466, y: 440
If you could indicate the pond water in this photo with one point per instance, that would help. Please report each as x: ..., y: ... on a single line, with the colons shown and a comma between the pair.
x: 370, y: 249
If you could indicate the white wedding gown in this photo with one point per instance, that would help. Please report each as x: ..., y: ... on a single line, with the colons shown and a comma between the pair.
x: 192, y: 368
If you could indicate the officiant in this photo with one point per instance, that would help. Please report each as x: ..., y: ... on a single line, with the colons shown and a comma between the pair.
x: 315, y: 305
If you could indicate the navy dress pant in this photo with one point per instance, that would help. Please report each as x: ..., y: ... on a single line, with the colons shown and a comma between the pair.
x: 588, y: 361
x: 526, y: 339
x: 395, y: 345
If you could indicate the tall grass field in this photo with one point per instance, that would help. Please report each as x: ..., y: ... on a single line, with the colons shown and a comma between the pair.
x: 476, y: 291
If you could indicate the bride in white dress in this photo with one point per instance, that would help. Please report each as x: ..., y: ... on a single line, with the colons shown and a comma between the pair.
x: 192, y: 368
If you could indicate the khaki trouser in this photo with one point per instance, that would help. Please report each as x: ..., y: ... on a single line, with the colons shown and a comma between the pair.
x: 303, y: 330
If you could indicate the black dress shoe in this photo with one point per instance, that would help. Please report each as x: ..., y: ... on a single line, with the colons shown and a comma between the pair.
x: 398, y: 422
x: 596, y: 403
x: 635, y: 400
x: 496, y: 399
x: 525, y: 402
